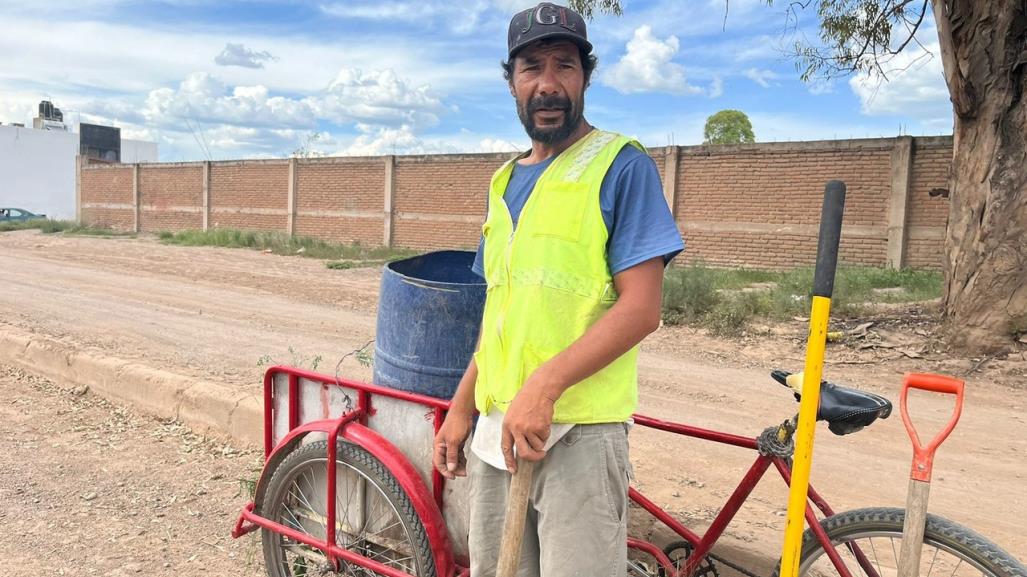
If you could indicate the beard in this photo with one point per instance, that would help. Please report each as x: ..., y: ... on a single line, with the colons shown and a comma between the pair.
x: 550, y: 134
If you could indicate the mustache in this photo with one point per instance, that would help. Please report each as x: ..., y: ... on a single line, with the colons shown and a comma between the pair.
x: 550, y: 102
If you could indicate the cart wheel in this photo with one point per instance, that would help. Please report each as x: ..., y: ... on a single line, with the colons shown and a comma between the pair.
x: 374, y: 517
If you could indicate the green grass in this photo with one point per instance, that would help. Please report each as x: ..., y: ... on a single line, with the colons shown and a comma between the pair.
x: 18, y: 225
x: 349, y: 255
x: 714, y: 297
x: 48, y: 226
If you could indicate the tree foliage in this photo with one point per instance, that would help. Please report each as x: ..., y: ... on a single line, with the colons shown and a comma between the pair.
x: 857, y: 35
x: 586, y: 7
x: 728, y: 127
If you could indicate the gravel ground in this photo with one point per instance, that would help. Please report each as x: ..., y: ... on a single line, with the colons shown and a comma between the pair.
x: 91, y: 488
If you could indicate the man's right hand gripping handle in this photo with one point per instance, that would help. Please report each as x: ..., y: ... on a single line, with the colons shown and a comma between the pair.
x: 448, y: 456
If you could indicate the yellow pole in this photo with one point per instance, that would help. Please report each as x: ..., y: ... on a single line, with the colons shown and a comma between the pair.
x: 802, y: 460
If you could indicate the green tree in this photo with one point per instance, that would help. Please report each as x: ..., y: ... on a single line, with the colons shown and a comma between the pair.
x: 728, y: 127
x: 983, y: 46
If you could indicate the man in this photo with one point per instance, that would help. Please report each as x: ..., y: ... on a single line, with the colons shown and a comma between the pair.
x: 573, y: 250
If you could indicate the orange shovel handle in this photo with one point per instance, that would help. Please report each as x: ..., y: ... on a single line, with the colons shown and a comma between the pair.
x: 923, y: 456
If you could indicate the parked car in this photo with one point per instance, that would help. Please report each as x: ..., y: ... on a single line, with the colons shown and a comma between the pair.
x: 17, y: 214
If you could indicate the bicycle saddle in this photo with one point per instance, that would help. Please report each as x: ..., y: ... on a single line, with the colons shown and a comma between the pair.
x: 845, y: 410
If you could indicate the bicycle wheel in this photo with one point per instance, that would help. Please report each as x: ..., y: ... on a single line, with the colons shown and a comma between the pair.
x: 950, y: 550
x: 374, y: 517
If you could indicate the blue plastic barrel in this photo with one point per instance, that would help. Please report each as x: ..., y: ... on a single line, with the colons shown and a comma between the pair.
x: 429, y: 313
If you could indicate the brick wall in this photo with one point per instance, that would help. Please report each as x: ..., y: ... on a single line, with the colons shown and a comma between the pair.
x: 928, y: 215
x: 170, y: 197
x: 107, y: 198
x: 759, y: 205
x: 249, y: 194
x: 440, y: 201
x: 750, y: 205
x: 341, y: 199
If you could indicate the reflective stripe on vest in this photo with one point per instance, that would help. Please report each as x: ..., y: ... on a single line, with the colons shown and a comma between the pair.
x: 549, y: 281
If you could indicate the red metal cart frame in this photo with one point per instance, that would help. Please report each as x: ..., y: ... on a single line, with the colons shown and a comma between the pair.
x: 428, y: 501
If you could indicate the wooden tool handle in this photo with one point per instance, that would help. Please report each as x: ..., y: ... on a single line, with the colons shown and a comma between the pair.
x: 913, y: 528
x: 513, y: 525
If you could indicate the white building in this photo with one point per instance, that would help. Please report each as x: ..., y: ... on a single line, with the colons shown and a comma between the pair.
x: 37, y: 168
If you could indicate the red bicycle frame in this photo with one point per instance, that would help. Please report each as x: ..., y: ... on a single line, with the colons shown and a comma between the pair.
x: 352, y: 426
x: 703, y: 545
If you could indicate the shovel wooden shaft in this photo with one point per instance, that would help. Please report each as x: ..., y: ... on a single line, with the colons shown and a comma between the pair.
x: 923, y: 462
x: 513, y: 524
x: 913, y: 528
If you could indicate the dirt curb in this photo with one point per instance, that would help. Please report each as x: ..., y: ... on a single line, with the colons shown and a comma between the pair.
x: 198, y: 403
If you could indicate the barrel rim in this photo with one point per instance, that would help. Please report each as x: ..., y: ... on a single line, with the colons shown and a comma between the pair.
x: 388, y: 267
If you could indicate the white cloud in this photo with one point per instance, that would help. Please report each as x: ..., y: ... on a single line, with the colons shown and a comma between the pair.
x: 647, y: 66
x: 205, y: 116
x: 203, y: 98
x: 762, y: 77
x: 497, y: 145
x: 915, y: 87
x: 716, y: 87
x: 377, y: 97
x: 239, y: 55
x: 376, y: 141
x: 379, y: 141
x: 161, y: 84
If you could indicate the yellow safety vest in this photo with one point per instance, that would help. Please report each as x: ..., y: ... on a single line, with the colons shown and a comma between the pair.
x: 548, y: 282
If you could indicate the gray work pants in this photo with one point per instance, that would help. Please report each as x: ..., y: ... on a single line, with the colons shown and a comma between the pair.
x: 577, y: 515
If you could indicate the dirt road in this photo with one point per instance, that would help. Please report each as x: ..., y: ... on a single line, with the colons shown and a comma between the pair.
x: 212, y: 313
x: 91, y: 488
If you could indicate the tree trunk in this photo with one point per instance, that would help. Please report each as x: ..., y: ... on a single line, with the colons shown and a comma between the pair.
x: 984, y: 53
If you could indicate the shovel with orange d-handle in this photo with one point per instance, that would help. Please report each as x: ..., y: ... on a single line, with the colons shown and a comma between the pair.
x: 923, y: 461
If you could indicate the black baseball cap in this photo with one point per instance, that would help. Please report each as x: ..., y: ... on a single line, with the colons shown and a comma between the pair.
x: 547, y: 21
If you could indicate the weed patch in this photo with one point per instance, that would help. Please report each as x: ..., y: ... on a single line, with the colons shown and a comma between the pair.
x: 10, y: 225
x: 281, y: 243
x: 296, y: 360
x: 48, y: 226
x: 725, y: 300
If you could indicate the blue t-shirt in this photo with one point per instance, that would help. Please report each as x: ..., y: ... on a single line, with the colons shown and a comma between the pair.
x: 638, y: 220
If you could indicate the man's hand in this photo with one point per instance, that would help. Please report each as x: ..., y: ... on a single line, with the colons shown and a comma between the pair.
x: 527, y: 422
x: 448, y: 456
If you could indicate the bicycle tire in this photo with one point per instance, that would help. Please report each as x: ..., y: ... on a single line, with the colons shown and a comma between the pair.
x: 940, y: 534
x: 308, y: 464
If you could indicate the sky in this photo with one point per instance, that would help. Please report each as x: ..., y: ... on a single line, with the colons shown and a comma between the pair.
x: 261, y: 79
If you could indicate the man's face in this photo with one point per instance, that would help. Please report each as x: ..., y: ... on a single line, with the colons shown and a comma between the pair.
x: 549, y: 85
